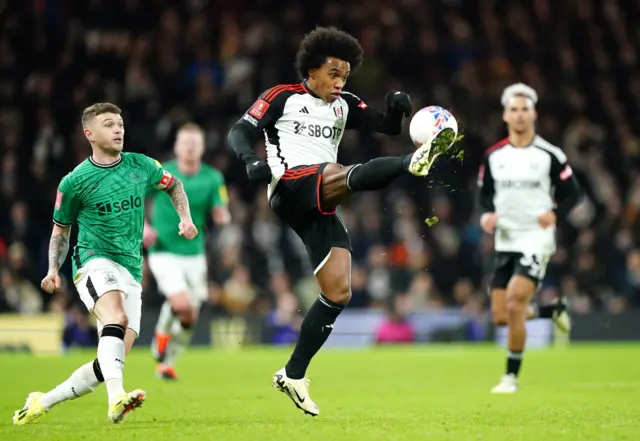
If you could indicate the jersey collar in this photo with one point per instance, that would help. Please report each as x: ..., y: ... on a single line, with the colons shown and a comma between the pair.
x: 113, y: 164
x: 309, y: 91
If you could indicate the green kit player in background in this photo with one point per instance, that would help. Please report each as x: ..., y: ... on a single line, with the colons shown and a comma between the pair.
x: 105, y: 196
x: 179, y: 265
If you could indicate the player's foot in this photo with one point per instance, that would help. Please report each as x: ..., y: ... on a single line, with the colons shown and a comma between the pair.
x: 124, y: 404
x: 32, y: 411
x: 561, y: 316
x: 165, y: 372
x: 423, y: 159
x: 297, y: 391
x: 159, y: 346
x: 508, y: 385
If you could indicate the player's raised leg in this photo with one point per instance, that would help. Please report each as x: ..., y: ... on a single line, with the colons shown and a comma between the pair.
x: 339, y: 182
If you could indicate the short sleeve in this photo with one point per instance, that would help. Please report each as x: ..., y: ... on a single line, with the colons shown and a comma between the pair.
x: 159, y: 178
x: 219, y: 195
x: 268, y: 108
x: 66, y: 207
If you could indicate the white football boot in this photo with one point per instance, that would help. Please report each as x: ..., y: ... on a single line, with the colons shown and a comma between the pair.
x: 422, y: 160
x: 508, y: 385
x: 297, y: 390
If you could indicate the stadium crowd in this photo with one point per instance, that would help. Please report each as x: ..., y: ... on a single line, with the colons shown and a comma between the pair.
x: 166, y: 63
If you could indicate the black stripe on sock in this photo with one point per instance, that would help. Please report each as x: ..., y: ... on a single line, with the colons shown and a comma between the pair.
x: 113, y: 331
x: 92, y: 290
x: 97, y: 371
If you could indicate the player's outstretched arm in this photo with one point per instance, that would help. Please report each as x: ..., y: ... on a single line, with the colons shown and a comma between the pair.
x: 367, y: 119
x: 180, y: 203
x: 58, y: 249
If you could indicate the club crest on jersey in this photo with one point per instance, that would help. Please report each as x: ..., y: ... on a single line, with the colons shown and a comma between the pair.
x: 134, y: 176
x: 259, y: 109
x: 362, y: 105
x: 338, y: 111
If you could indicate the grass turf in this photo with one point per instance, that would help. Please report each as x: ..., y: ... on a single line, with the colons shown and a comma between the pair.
x: 403, y: 393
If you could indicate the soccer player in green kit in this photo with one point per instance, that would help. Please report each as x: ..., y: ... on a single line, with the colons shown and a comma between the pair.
x: 179, y: 265
x: 105, y: 195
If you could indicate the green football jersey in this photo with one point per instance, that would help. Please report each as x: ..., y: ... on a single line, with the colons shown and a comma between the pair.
x: 205, y: 190
x: 107, y: 202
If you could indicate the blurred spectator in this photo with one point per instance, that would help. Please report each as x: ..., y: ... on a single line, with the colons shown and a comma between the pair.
x: 79, y: 331
x: 396, y: 329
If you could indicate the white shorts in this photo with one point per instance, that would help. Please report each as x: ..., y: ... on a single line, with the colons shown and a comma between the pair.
x: 101, y: 275
x: 176, y: 274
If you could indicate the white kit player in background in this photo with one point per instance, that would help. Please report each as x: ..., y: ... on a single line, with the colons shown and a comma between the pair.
x: 526, y: 185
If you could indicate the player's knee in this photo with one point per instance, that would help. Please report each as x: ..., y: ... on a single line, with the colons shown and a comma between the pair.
x: 118, y: 318
x: 516, y: 303
x: 339, y: 293
x: 331, y: 170
x: 187, y: 318
x: 180, y: 304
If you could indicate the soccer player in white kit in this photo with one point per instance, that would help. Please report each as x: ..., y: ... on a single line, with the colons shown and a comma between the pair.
x: 525, y: 185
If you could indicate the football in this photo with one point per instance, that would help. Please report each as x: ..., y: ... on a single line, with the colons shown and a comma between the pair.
x: 429, y: 122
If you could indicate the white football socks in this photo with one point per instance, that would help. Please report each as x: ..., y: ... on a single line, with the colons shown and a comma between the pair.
x: 111, y: 354
x: 180, y: 339
x: 81, y: 382
x: 166, y: 319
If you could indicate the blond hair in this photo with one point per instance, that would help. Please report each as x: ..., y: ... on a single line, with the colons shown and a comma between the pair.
x: 191, y: 127
x: 519, y: 89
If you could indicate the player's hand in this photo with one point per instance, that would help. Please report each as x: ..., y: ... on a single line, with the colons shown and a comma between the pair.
x: 187, y: 230
x: 488, y: 222
x: 258, y: 171
x: 149, y: 236
x: 399, y: 102
x: 51, y: 283
x: 547, y: 219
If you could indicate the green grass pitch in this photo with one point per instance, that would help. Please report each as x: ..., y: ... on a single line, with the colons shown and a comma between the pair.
x: 403, y: 393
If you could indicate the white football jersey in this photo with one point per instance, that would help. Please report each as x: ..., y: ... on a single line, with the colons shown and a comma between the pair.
x: 301, y: 129
x: 519, y: 184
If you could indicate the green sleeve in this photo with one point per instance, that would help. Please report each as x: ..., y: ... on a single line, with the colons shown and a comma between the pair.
x: 159, y: 178
x: 66, y: 207
x: 219, y: 195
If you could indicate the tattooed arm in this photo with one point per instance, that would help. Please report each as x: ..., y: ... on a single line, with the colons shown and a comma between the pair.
x: 179, y: 200
x: 58, y: 247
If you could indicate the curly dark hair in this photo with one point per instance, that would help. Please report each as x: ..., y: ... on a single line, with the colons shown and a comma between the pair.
x: 323, y: 42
